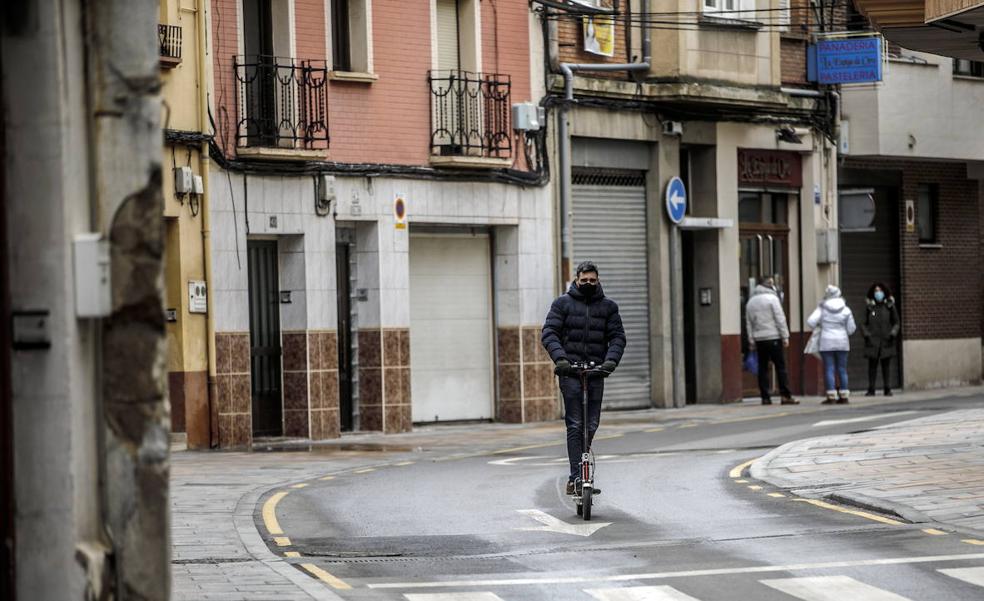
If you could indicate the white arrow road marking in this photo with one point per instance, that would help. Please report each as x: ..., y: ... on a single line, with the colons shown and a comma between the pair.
x: 971, y: 575
x: 552, y: 524
x: 831, y: 588
x: 513, y: 460
x: 640, y: 593
x: 865, y: 418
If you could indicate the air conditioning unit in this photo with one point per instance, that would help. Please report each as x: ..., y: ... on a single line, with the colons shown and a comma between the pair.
x: 672, y: 128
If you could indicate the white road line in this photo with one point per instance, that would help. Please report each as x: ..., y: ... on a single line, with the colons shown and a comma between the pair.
x: 453, y: 597
x: 864, y: 418
x: 971, y: 575
x: 681, y: 574
x: 552, y: 524
x: 831, y: 588
x: 640, y: 593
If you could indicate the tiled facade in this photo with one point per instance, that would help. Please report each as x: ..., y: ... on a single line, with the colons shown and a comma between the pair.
x: 527, y: 387
x: 384, y: 379
x: 233, y: 408
x: 295, y: 386
x: 323, y: 384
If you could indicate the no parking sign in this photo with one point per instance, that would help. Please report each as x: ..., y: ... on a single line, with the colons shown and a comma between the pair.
x: 400, y: 211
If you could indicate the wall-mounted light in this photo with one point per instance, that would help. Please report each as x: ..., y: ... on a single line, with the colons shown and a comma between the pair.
x: 285, y: 297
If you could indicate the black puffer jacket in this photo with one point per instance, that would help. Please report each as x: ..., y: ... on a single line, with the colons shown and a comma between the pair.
x: 579, y: 328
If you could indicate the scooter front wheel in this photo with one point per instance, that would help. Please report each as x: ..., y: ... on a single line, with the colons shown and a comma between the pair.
x: 586, y: 491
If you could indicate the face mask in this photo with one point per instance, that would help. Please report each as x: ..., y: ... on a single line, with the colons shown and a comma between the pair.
x: 879, y: 296
x: 588, y: 289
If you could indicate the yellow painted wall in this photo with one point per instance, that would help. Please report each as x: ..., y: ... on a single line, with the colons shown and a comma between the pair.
x: 187, y: 338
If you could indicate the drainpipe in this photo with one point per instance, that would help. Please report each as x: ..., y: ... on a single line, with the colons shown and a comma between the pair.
x: 564, y: 146
x: 203, y: 87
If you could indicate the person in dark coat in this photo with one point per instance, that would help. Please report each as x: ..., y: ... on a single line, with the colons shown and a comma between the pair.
x: 881, y: 329
x: 582, y: 325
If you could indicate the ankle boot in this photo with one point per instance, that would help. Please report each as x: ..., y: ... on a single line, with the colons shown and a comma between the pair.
x: 831, y: 398
x: 888, y: 392
x: 843, y: 397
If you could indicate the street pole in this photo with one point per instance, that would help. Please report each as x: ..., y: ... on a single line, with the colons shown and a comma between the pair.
x: 676, y: 318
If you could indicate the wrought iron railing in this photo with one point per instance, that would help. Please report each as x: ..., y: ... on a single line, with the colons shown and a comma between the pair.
x: 169, y: 42
x: 281, y: 102
x: 470, y: 114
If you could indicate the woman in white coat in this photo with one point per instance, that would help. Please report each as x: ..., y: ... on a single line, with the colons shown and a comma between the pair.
x: 836, y: 323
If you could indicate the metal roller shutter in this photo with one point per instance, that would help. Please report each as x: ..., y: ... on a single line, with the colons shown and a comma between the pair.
x: 610, y: 229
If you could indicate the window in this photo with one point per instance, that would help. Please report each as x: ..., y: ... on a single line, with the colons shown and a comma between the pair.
x: 926, y: 213
x: 351, y: 36
x: 730, y: 9
x: 968, y: 68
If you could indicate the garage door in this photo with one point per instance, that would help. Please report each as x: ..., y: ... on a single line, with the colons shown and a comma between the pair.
x: 610, y: 229
x: 450, y: 327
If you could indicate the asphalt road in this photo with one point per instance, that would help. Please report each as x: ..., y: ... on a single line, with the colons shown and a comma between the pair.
x: 673, y: 523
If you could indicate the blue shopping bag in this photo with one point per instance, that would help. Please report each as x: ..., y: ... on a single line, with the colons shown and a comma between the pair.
x: 751, y: 363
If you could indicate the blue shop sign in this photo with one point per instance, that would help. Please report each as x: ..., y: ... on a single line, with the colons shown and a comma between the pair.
x: 849, y: 60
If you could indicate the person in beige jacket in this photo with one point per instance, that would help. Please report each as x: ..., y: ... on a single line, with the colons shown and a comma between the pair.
x: 768, y: 335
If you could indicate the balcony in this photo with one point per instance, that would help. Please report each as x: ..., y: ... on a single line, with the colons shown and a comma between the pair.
x: 169, y: 44
x: 470, y: 119
x: 281, y: 107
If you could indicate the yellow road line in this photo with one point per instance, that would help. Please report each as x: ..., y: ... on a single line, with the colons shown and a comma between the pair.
x: 292, y: 554
x: 270, y: 513
x: 402, y: 463
x: 777, y: 495
x: 326, y: 478
x: 332, y: 581
x: 738, y: 469
x: 859, y: 513
x: 734, y: 420
x: 301, y: 485
x: 741, y: 481
x: 687, y: 426
x: 754, y: 487
x: 655, y: 429
x: 364, y: 470
x: 619, y: 435
x: 933, y: 531
x: 282, y: 541
x: 972, y: 541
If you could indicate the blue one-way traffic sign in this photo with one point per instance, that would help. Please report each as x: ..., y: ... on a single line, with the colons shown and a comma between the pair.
x: 676, y: 199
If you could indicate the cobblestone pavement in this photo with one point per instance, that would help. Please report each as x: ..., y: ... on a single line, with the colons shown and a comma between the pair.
x: 924, y: 470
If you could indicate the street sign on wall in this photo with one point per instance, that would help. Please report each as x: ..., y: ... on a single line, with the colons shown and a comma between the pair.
x: 676, y: 199
x: 847, y: 60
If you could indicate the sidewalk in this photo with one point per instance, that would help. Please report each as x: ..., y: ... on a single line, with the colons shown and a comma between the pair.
x: 928, y: 470
x: 217, y: 551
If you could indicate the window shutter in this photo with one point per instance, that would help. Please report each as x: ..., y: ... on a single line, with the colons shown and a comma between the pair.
x: 447, y: 35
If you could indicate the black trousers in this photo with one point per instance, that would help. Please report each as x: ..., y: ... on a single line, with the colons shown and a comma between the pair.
x: 886, y: 365
x: 772, y: 351
x: 574, y: 416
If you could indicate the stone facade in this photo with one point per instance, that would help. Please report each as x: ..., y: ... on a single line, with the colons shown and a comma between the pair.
x: 384, y: 379
x: 527, y: 387
x: 233, y: 408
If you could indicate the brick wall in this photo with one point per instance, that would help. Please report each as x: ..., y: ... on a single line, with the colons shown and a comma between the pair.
x: 793, y: 60
x: 387, y: 121
x: 941, y: 287
x: 570, y: 37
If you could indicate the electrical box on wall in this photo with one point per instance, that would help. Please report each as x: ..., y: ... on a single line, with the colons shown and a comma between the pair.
x: 828, y: 248
x: 197, y: 185
x: 184, y: 181
x: 197, y: 297
x: 326, y: 189
x: 527, y: 116
x: 93, y: 294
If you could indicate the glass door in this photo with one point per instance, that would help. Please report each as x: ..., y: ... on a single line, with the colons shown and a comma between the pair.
x: 763, y: 253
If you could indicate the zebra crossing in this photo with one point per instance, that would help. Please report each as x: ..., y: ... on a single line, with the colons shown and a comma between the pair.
x: 809, y: 588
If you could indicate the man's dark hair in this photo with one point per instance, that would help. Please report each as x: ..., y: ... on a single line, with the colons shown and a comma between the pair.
x: 585, y: 266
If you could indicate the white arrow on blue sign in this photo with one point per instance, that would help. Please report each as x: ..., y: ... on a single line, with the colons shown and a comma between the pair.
x: 676, y: 199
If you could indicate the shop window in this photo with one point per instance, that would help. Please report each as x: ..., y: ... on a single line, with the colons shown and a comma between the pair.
x: 351, y: 36
x: 968, y: 68
x: 927, y: 211
x: 762, y: 207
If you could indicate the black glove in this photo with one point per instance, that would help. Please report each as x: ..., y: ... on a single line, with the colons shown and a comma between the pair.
x: 608, y: 367
x: 562, y: 367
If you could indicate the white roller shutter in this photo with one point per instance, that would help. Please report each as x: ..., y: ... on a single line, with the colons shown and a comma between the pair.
x: 447, y: 35
x: 450, y: 327
x: 610, y: 229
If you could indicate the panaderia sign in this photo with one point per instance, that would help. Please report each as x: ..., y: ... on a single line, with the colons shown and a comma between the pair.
x: 769, y: 168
